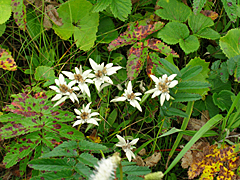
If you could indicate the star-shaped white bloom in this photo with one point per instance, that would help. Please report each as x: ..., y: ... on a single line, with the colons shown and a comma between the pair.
x: 162, y: 86
x: 102, y: 72
x: 127, y: 146
x: 81, y: 78
x: 86, y: 116
x: 64, y: 91
x: 130, y: 96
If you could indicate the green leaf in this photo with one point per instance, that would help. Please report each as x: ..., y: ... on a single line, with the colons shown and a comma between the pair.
x: 230, y: 43
x: 209, y: 133
x: 190, y: 72
x: 211, y: 107
x: 52, y: 164
x: 199, y: 22
x: 200, y: 77
x: 5, y: 10
x: 192, y: 85
x: 184, y: 97
x: 19, y: 13
x: 173, y: 32
x: 2, y: 29
x: 136, y: 170
x: 112, y: 117
x: 173, y: 69
x: 86, y: 145
x: 44, y: 73
x: 106, y: 30
x: 223, y: 72
x: 190, y: 44
x: 175, y: 112
x: 208, y: 33
x: 56, y: 175
x: 87, y: 159
x: 232, y: 63
x: 83, y: 170
x: 101, y: 5
x: 33, y: 24
x: 173, y: 10
x: 121, y: 8
x: 198, y: 5
x: 223, y: 99
x: 230, y: 7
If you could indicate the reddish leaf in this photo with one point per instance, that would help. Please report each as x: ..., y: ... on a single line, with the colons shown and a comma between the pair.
x: 6, y: 60
x: 19, y: 13
x: 137, y: 55
x: 213, y: 15
x: 149, y: 66
x: 135, y: 31
x: 159, y: 46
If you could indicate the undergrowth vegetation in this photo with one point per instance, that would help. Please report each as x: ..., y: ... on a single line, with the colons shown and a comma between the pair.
x: 119, y: 89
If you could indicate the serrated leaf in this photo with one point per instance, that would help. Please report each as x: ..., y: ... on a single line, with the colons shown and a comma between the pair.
x: 21, y: 149
x: 173, y: 10
x: 52, y: 164
x: 230, y: 7
x: 173, y: 69
x: 33, y: 24
x: 157, y: 45
x: 5, y: 10
x: 223, y: 99
x: 19, y: 13
x: 87, y: 159
x: 6, y: 60
x: 55, y: 175
x: 51, y: 139
x: 223, y: 72
x: 184, y: 97
x: 137, y: 55
x: 173, y: 32
x: 199, y: 22
x: 175, y: 112
x: 201, y: 77
x: 83, y: 170
x: 192, y: 85
x: 211, y: 107
x: 232, y: 63
x: 190, y: 72
x: 190, y: 44
x: 101, y: 5
x: 136, y: 170
x: 2, y: 28
x: 198, y: 5
x: 86, y: 145
x: 218, y: 85
x: 121, y: 9
x: 136, y: 31
x: 44, y: 73
x: 230, y: 43
x: 208, y: 33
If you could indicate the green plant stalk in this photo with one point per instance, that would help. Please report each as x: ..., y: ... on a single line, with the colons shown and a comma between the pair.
x: 183, y: 127
x: 121, y: 171
x: 158, y: 134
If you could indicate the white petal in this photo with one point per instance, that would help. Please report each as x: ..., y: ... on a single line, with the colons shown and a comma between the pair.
x: 61, y: 79
x: 103, y: 86
x: 137, y: 105
x: 86, y: 89
x: 89, y: 81
x: 107, y: 79
x: 68, y: 74
x: 155, y: 79
x: 164, y: 77
x: 129, y: 86
x: 57, y: 97
x: 86, y: 73
x: 70, y: 84
x: 87, y: 106
x: 167, y: 96
x: 92, y: 121
x: 75, y: 88
x: 57, y: 82
x: 93, y: 64
x: 98, y: 84
x: 173, y: 83
x: 138, y: 94
x: 162, y: 99
x: 77, y: 112
x: 78, y: 122
x: 74, y: 97
x: 171, y: 77
x: 138, y: 98
x: 113, y: 70
x: 156, y: 93
x: 121, y: 142
x: 129, y: 154
x: 77, y: 70
x: 150, y: 91
x: 109, y: 65
x: 55, y: 88
x: 60, y: 101
x: 116, y: 99
x: 94, y: 114
x: 132, y: 103
x: 134, y: 141
x: 91, y: 75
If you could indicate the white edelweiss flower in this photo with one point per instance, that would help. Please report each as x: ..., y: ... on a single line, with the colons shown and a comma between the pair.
x: 102, y: 73
x: 105, y: 168
x: 162, y: 86
x: 81, y: 78
x: 86, y: 116
x: 130, y: 96
x: 64, y: 91
x: 127, y: 146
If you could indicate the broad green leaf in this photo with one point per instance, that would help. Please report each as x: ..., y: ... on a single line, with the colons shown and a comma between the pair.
x: 189, y: 72
x: 198, y: 135
x: 136, y: 170
x: 87, y: 159
x: 237, y: 74
x: 162, y: 71
x: 44, y: 73
x: 190, y: 44
x: 5, y: 10
x: 208, y: 33
x: 33, y: 24
x: 184, y: 97
x: 19, y: 13
x: 207, y: 134
x: 192, y: 85
x: 173, y: 10
x: 175, y: 112
x: 230, y: 7
x: 106, y: 30
x: 101, y: 5
x: 173, y: 69
x: 86, y: 145
x: 6, y: 60
x: 232, y: 63
x: 223, y: 72
x: 52, y: 164
x: 230, y: 43
x: 218, y: 85
x: 121, y: 9
x: 199, y: 22
x: 202, y: 76
x: 112, y: 117
x: 211, y: 107
x: 83, y: 170
x: 55, y: 175
x: 198, y: 5
x: 2, y: 28
x: 173, y: 32
x: 223, y: 99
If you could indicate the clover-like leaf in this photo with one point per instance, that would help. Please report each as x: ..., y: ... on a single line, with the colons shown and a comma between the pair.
x: 121, y: 8
x: 5, y: 10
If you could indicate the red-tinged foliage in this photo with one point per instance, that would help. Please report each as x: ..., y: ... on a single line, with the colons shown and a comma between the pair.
x: 19, y: 13
x: 6, y: 60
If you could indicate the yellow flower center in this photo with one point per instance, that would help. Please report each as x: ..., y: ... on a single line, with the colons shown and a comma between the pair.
x: 101, y: 73
x: 79, y: 78
x: 64, y: 89
x: 131, y: 96
x: 84, y: 115
x: 164, y: 86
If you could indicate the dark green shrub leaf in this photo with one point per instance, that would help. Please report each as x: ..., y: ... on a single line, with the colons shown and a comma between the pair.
x: 189, y: 72
x: 208, y: 33
x: 121, y: 8
x: 223, y: 99
x: 184, y: 97
x: 230, y: 7
x: 44, y: 73
x: 101, y: 5
x: 87, y: 159
x: 190, y: 44
x: 173, y: 69
x: 175, y: 112
x: 193, y: 85
x: 86, y: 145
x: 33, y: 24
x: 136, y: 170
x: 83, y: 170
x: 198, y: 5
x: 55, y: 175
x: 211, y: 107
